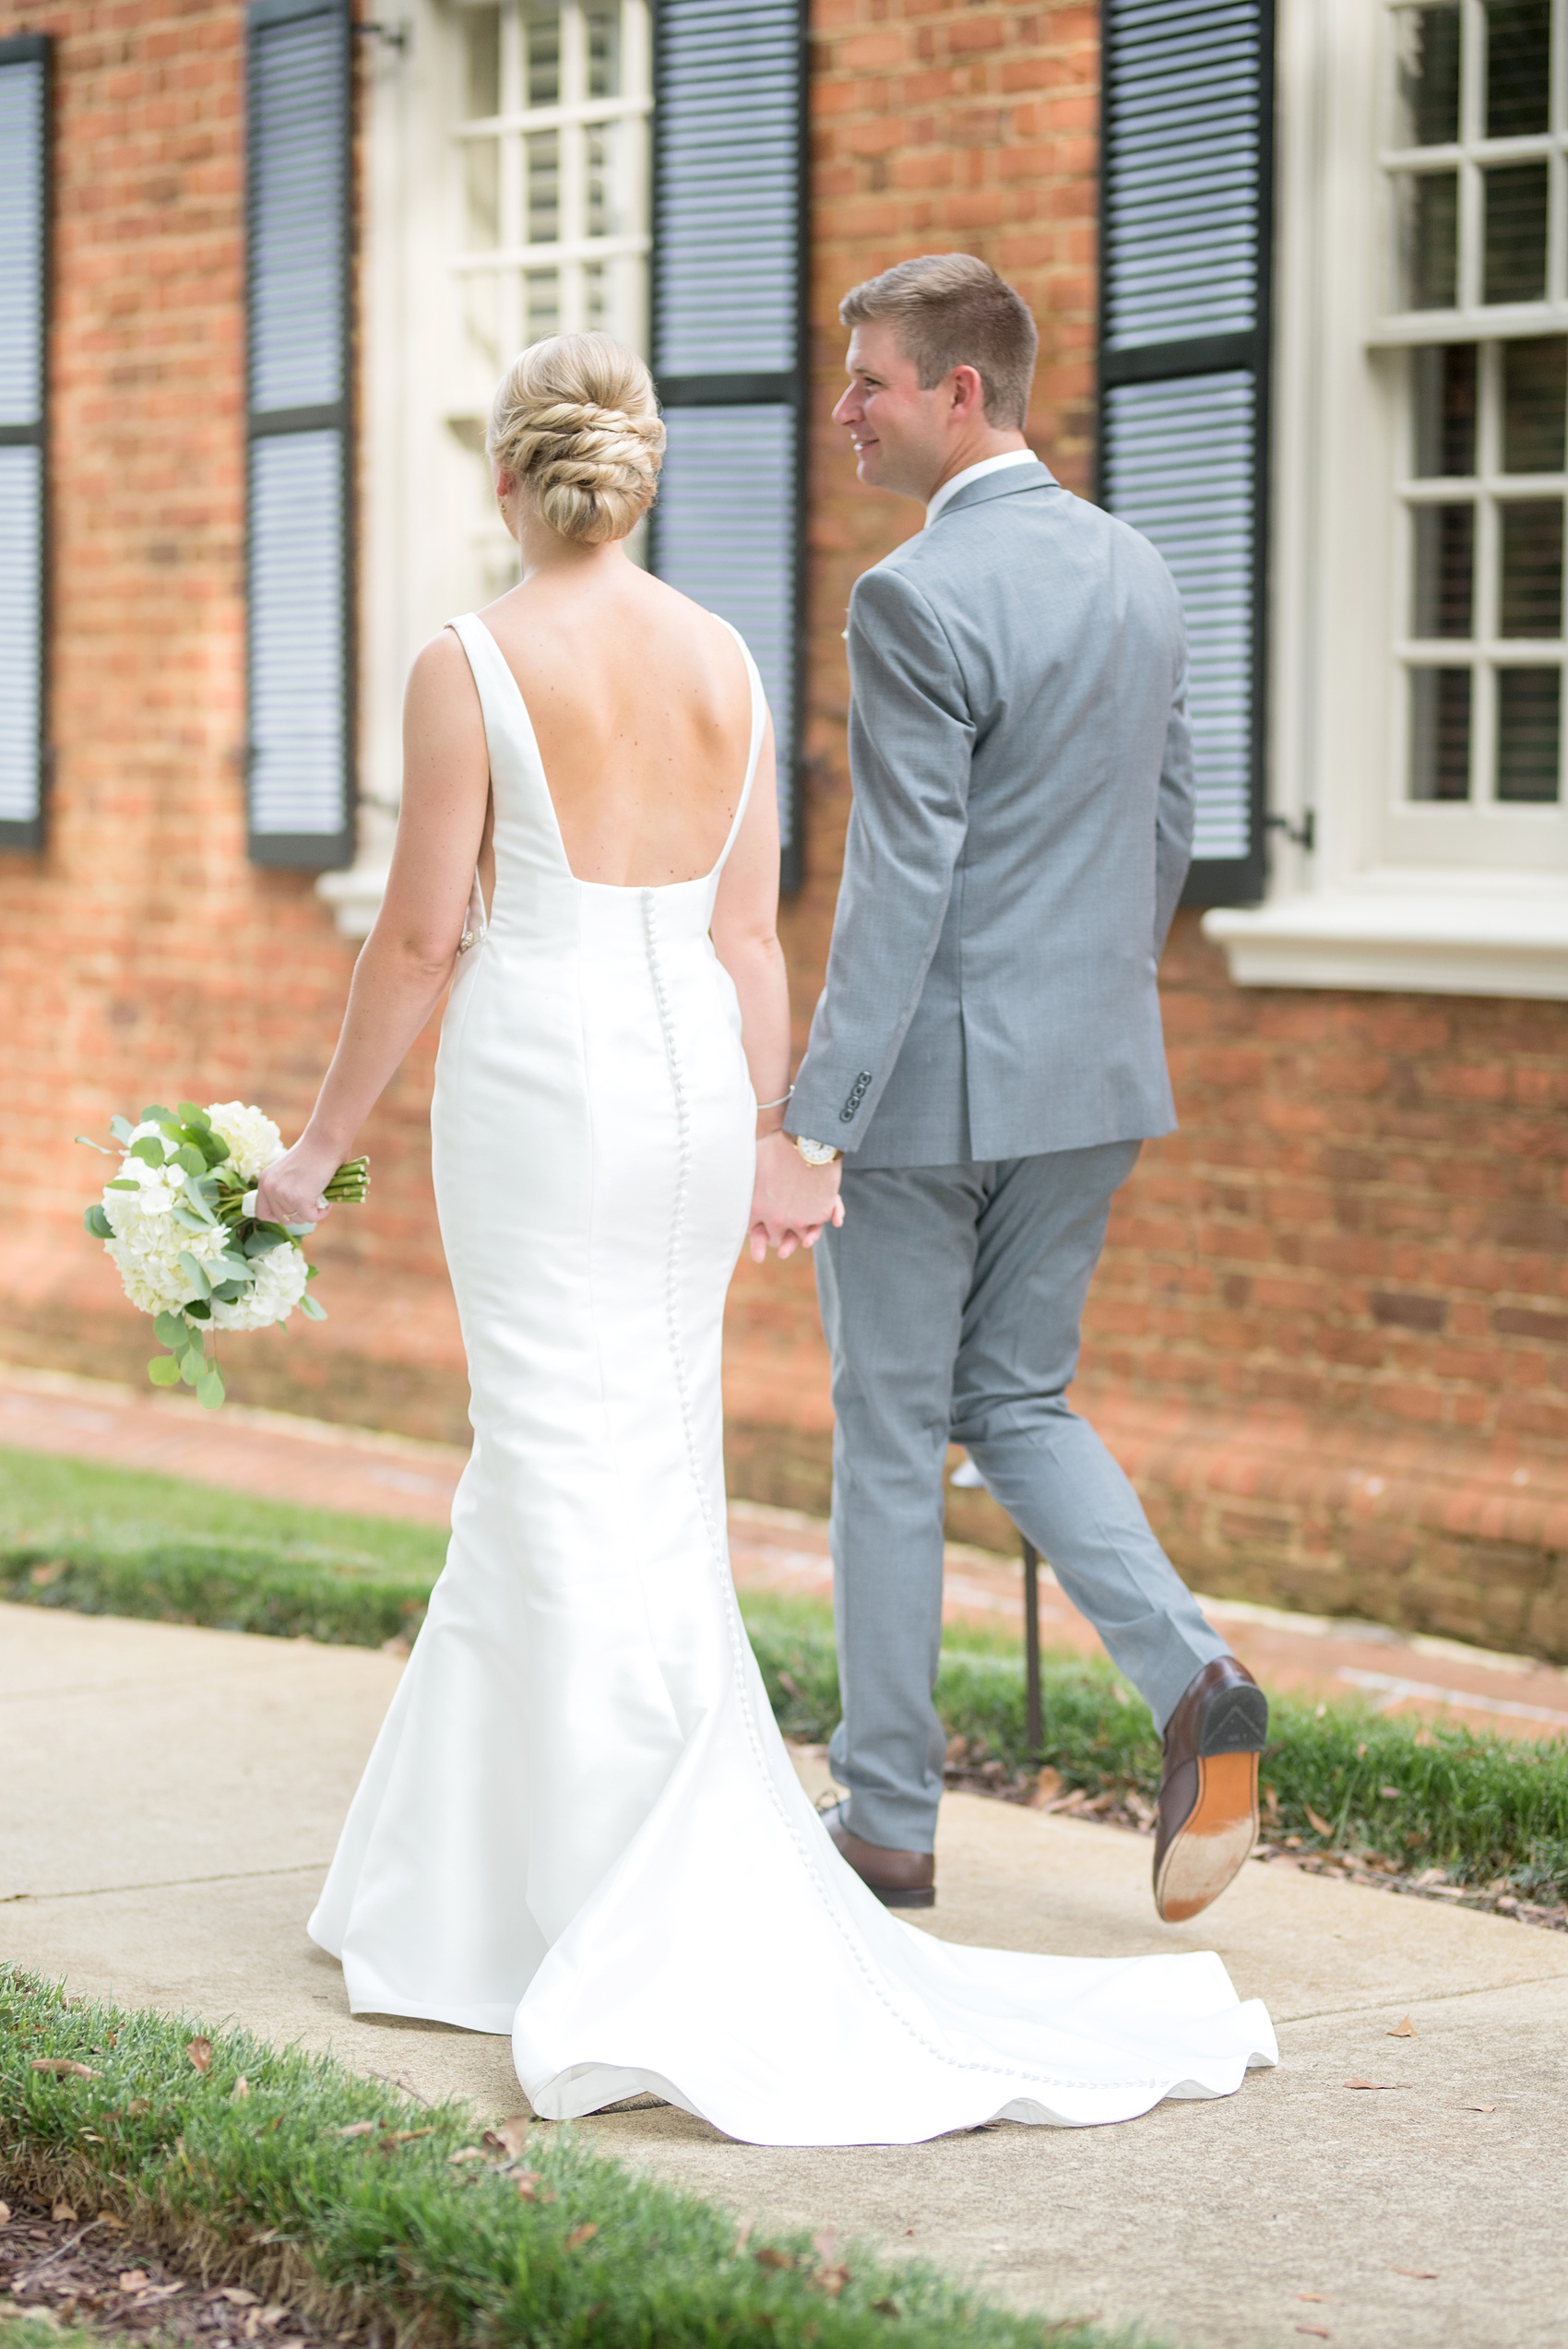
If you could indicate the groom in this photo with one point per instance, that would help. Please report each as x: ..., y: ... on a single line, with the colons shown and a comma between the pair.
x: 986, y: 1059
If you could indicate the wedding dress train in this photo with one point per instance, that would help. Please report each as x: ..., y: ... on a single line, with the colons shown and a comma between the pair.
x: 579, y: 1825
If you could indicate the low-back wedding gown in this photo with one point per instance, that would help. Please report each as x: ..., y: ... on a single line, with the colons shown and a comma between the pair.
x: 579, y: 1825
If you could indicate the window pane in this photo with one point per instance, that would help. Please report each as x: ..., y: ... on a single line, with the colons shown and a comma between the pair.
x: 604, y: 27
x: 544, y: 290
x: 541, y: 34
x: 482, y: 38
x: 1445, y: 550
x: 595, y: 301
x: 544, y: 186
x: 1443, y: 386
x: 481, y: 188
x: 1529, y: 709
x: 1428, y: 81
x: 1535, y: 401
x: 1518, y: 40
x: 1532, y: 567
x: 1439, y: 733
x: 1516, y: 233
x: 599, y: 148
x: 1429, y: 222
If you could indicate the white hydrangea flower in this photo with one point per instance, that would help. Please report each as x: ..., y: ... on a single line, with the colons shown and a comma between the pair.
x: 253, y: 1141
x: 281, y: 1277
x: 147, y: 1242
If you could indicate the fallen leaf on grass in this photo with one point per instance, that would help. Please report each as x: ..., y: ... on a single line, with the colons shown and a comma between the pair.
x: 236, y: 2295
x: 359, y: 2129
x: 529, y: 2185
x: 62, y: 2068
x: 200, y: 2053
x: 466, y: 2154
x: 768, y: 2258
x: 1422, y: 2276
x: 1405, y: 2029
x: 134, y: 2279
x: 1046, y: 1788
x: 63, y: 2214
x: 509, y: 2136
x: 242, y: 2088
x: 1322, y: 1825
x: 581, y: 2234
x: 139, y: 2106
x: 4, y: 2215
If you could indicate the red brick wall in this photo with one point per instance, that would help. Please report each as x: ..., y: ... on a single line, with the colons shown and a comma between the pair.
x: 141, y: 954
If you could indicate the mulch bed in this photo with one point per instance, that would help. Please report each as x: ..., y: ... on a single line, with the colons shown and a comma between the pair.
x: 81, y: 2268
x: 1043, y: 1790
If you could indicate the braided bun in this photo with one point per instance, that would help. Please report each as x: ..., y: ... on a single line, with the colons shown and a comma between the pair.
x: 575, y: 419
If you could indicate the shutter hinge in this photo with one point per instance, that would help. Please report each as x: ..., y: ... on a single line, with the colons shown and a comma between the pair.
x: 391, y: 36
x: 1300, y: 835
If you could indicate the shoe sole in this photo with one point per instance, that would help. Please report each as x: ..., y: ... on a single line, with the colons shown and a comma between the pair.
x: 1211, y: 1847
x: 915, y: 1896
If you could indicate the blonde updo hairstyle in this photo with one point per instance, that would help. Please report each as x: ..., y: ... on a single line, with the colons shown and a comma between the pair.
x: 575, y: 421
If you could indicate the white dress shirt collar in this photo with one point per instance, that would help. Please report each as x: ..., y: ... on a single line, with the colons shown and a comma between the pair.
x: 975, y: 473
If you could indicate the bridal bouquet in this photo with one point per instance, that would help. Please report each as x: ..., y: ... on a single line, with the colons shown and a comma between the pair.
x: 179, y: 1220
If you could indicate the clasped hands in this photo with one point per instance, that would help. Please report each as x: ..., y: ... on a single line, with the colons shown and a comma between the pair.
x: 793, y: 1203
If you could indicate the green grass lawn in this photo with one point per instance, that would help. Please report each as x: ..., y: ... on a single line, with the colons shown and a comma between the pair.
x: 327, y: 2192
x: 1490, y: 1810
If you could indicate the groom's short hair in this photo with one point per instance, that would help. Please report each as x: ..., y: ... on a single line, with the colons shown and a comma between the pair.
x: 949, y: 311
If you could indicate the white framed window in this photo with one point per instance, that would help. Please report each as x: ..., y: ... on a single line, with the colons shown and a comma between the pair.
x: 1419, y: 751
x: 507, y: 171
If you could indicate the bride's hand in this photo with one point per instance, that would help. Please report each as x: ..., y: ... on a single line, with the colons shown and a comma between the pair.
x: 290, y: 1192
x: 792, y: 1203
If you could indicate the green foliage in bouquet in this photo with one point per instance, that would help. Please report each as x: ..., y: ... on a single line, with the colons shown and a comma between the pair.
x: 191, y: 1189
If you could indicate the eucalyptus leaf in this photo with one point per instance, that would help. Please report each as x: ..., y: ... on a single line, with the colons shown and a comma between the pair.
x: 91, y: 1144
x: 311, y: 1310
x: 189, y: 1159
x: 194, y: 1115
x: 121, y: 1182
x: 214, y: 1148
x: 198, y: 1309
x: 149, y: 1150
x: 210, y: 1391
x: 121, y: 1128
x: 234, y: 1268
x: 229, y: 1292
x: 188, y: 1218
x: 98, y: 1223
x: 263, y: 1239
x: 170, y: 1329
x: 196, y: 1273
x: 154, y: 1110
x: 195, y: 1197
x: 163, y: 1370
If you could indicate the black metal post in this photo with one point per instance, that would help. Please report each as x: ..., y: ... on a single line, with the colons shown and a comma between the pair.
x: 1034, y: 1727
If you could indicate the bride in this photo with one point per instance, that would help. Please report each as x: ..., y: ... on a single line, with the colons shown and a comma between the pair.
x: 579, y: 1825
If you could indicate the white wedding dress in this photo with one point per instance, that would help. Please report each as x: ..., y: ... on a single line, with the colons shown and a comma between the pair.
x: 579, y: 1825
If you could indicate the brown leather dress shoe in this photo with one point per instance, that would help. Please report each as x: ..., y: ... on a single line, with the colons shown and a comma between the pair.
x: 1208, y: 1788
x: 900, y: 1880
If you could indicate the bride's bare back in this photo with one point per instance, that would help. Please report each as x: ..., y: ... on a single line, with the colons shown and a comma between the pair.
x: 641, y: 708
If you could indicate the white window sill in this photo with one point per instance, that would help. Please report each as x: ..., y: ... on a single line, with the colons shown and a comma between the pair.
x: 1427, y: 935
x: 354, y: 897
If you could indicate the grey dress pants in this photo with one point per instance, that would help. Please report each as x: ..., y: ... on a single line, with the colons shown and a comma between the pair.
x: 952, y: 1299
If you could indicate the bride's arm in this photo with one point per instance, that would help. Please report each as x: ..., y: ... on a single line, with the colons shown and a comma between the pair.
x: 408, y: 958
x: 792, y: 1201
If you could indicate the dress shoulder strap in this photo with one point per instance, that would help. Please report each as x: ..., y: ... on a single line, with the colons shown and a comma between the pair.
x: 759, y: 723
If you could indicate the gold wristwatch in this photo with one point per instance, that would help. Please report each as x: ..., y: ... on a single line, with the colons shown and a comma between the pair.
x: 816, y: 1153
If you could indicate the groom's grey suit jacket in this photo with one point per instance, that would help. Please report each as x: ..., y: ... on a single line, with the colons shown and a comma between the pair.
x: 1021, y: 829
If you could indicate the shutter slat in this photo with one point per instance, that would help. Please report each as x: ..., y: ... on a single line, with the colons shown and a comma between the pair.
x: 300, y: 655
x: 24, y: 92
x: 1184, y: 367
x: 728, y: 165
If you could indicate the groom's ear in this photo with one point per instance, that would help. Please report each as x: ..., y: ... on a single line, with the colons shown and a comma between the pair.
x: 966, y: 393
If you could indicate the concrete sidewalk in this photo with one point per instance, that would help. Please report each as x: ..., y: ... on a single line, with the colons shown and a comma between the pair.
x: 320, y: 1465
x: 176, y: 1794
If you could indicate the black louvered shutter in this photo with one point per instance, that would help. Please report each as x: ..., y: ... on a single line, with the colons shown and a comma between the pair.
x: 1187, y: 174
x: 728, y: 335
x: 301, y: 636
x: 24, y: 282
